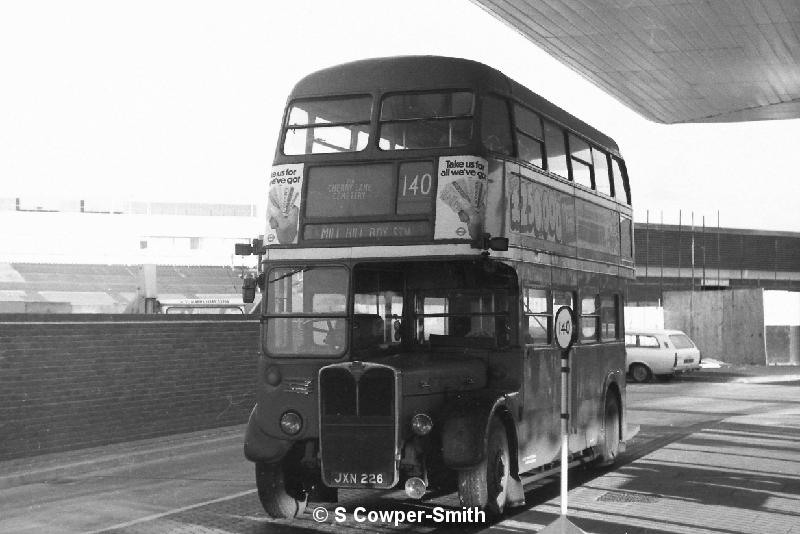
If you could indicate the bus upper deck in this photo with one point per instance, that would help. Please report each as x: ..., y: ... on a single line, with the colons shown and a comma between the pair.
x: 440, y: 152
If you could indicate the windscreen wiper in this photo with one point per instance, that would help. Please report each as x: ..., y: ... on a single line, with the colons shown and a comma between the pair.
x: 291, y: 273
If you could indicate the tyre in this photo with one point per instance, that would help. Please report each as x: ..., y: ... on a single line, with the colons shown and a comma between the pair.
x: 280, y: 491
x: 640, y: 372
x: 486, y: 485
x: 609, y: 446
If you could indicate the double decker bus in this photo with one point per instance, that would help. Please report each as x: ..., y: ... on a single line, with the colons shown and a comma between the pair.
x: 426, y: 217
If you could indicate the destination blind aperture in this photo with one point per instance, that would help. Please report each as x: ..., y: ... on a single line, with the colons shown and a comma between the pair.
x: 381, y: 192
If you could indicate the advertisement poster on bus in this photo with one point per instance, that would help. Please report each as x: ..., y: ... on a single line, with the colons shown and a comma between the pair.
x: 539, y: 215
x: 461, y: 198
x: 598, y: 229
x: 284, y: 192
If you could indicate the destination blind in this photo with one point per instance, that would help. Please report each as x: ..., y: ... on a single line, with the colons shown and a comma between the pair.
x: 377, y: 190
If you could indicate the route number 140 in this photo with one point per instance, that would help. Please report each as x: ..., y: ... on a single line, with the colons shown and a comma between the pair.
x: 419, y: 185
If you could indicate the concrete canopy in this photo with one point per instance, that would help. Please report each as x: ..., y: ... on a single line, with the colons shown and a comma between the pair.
x: 674, y: 61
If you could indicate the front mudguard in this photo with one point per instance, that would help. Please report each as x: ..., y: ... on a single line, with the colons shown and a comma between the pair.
x: 465, y: 430
x: 260, y: 447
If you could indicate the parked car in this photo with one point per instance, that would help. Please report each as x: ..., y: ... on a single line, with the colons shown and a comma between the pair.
x: 661, y: 353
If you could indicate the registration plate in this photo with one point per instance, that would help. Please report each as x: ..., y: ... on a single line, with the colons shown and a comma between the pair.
x: 688, y: 360
x: 359, y: 478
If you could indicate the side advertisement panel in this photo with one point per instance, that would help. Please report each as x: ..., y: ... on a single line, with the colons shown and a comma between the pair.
x: 461, y: 197
x: 546, y: 214
x: 598, y: 230
x: 539, y: 216
x: 284, y: 193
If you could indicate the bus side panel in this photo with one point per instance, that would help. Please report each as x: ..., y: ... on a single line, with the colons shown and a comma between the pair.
x: 590, y: 365
x: 540, y: 427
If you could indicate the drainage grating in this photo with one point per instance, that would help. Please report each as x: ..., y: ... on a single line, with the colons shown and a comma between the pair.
x: 624, y: 496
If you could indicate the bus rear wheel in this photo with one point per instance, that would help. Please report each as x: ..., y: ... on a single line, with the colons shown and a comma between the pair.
x: 486, y: 485
x: 609, y: 448
x: 280, y: 491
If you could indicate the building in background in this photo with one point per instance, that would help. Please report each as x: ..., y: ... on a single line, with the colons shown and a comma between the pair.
x: 87, y: 255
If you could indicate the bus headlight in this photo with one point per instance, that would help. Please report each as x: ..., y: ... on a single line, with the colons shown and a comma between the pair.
x: 421, y: 424
x: 291, y: 423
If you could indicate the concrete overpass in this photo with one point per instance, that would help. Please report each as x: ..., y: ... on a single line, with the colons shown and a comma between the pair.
x: 674, y: 258
x: 674, y: 61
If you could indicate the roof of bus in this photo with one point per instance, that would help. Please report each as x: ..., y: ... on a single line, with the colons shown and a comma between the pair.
x: 405, y: 73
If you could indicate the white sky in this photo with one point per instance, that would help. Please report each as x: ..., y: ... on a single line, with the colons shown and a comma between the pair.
x: 181, y: 100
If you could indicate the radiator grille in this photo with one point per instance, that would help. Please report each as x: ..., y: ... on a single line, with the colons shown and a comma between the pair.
x: 358, y: 426
x: 370, y: 393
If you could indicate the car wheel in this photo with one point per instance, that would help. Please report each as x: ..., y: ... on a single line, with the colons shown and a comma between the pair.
x: 640, y: 372
x: 280, y: 490
x: 486, y: 484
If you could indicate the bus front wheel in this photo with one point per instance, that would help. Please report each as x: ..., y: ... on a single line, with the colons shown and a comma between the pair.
x: 280, y: 490
x: 486, y: 484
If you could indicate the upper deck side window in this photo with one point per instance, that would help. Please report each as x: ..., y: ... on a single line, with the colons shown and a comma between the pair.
x: 581, y: 161
x: 620, y: 179
x: 590, y: 168
x: 595, y: 168
x: 496, y: 125
x: 602, y: 178
x: 327, y: 125
x: 426, y: 120
x: 530, y: 136
x: 556, y: 149
x: 548, y: 146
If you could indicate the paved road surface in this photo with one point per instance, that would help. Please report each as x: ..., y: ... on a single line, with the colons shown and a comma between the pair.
x: 212, y: 489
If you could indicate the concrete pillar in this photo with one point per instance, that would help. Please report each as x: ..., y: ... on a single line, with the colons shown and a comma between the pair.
x: 726, y: 324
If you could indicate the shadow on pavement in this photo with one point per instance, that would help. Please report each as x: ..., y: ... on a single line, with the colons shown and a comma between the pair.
x: 728, y: 477
x: 737, y: 476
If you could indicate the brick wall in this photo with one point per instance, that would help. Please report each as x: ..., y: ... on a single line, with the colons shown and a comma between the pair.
x: 70, y: 381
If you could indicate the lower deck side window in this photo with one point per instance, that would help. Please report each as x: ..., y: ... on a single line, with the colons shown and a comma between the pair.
x: 609, y: 317
x: 538, y: 316
x: 599, y: 316
x: 589, y: 319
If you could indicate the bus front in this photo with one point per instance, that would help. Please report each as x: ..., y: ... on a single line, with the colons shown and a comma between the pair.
x: 381, y: 302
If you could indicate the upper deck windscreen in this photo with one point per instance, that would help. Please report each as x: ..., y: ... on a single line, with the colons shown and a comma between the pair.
x: 328, y: 125
x: 427, y: 120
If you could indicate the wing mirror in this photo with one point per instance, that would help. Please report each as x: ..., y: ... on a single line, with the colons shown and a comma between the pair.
x: 249, y: 249
x: 251, y: 284
x: 487, y: 242
x: 249, y: 289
